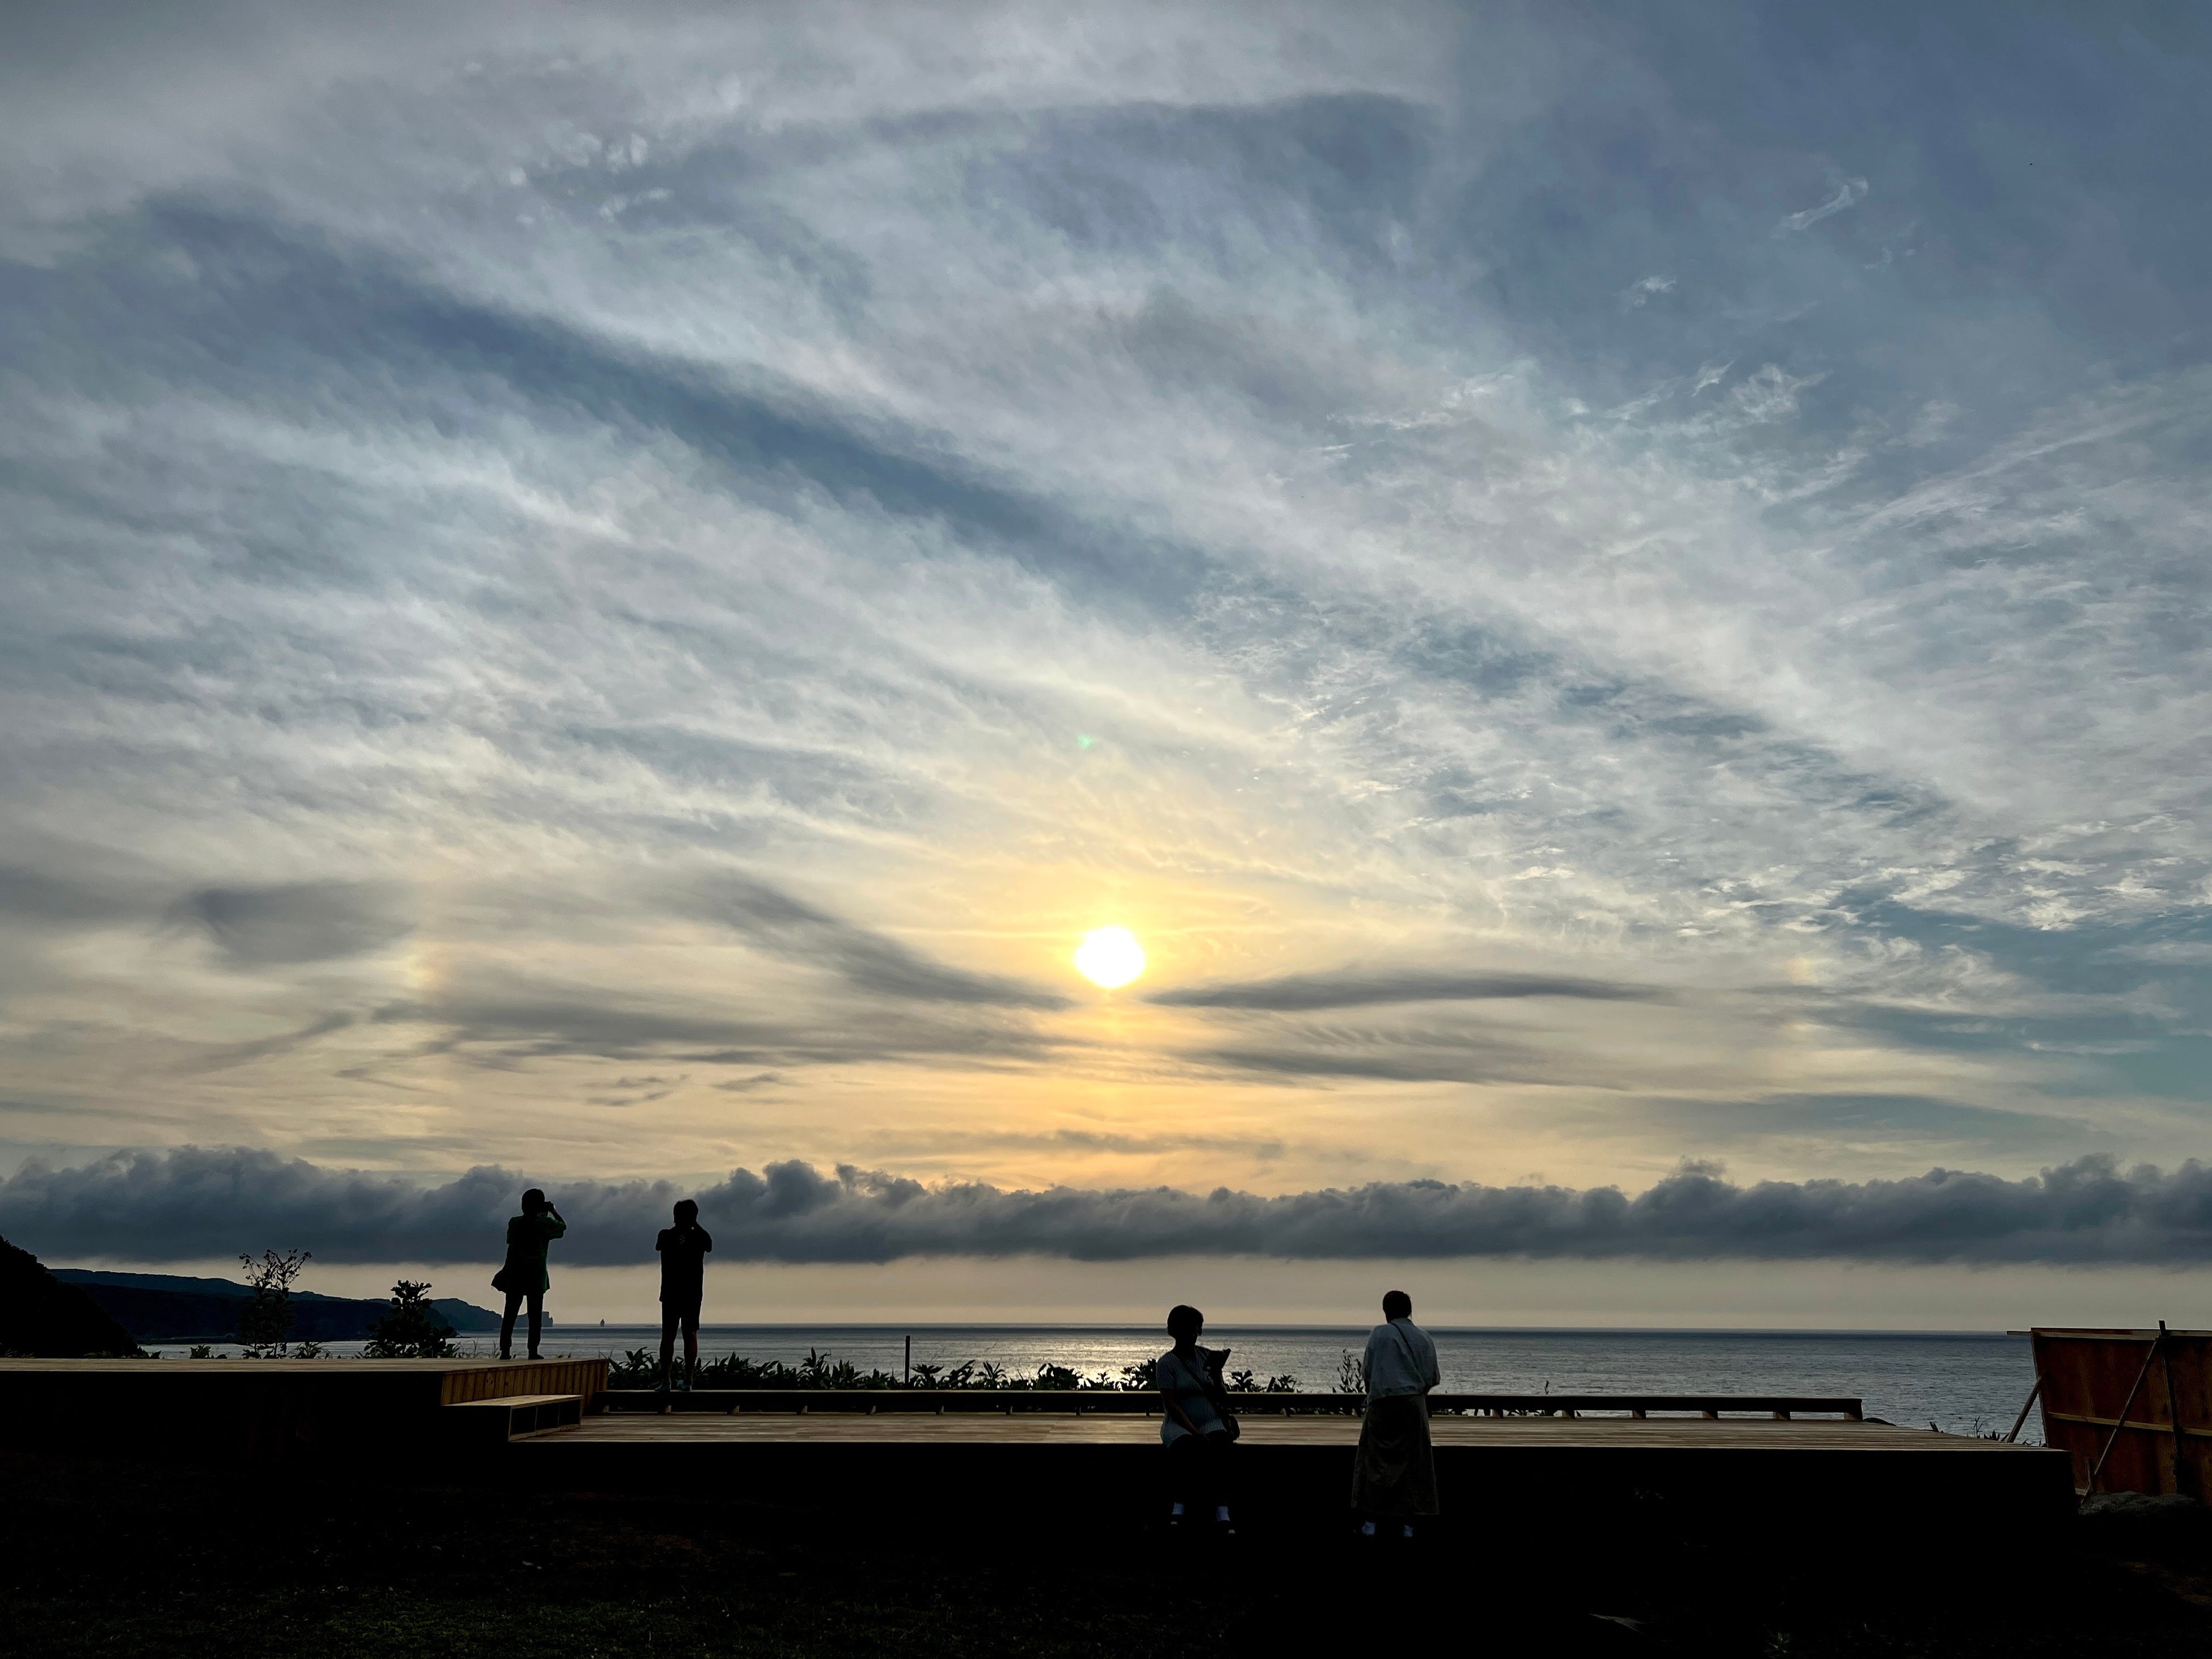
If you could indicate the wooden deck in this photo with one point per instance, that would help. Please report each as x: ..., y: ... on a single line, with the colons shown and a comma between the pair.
x: 1762, y: 1461
x: 264, y: 1411
x: 1752, y: 1471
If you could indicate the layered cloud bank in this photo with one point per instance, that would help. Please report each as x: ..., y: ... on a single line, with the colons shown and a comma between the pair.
x: 194, y: 1204
x: 1597, y: 585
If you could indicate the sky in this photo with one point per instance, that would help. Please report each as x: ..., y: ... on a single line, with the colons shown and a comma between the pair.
x: 601, y: 595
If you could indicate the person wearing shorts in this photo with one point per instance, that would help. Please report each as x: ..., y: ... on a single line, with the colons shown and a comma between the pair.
x: 682, y: 1283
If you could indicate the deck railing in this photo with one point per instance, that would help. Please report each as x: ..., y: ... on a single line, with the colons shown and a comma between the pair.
x: 1117, y: 1402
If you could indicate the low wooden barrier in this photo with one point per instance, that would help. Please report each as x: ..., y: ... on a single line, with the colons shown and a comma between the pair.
x: 2133, y: 1406
x: 378, y: 1413
x: 1144, y: 1402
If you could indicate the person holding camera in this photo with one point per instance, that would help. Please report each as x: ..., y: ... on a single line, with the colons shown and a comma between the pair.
x: 524, y: 1278
x: 682, y: 1284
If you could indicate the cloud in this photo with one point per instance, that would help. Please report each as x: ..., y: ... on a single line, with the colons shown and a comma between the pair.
x: 190, y: 1204
x: 306, y: 921
x: 1385, y: 1056
x: 1848, y: 193
x: 1359, y: 988
x: 740, y: 1086
x: 45, y: 898
x: 505, y: 1020
x: 640, y: 1090
x: 531, y: 563
x: 869, y: 961
x: 1864, y: 1120
x: 943, y: 1144
x: 221, y: 1056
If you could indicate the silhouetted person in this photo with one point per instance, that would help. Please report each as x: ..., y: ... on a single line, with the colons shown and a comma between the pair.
x: 524, y: 1276
x: 1194, y: 1424
x: 1393, y: 1475
x: 683, y: 1282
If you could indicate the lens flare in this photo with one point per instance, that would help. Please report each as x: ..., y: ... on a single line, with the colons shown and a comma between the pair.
x: 1109, y: 957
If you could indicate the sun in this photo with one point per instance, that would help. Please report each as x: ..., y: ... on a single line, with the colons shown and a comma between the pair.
x: 1109, y: 957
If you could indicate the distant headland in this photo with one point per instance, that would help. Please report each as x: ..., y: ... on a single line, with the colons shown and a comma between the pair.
x: 172, y: 1308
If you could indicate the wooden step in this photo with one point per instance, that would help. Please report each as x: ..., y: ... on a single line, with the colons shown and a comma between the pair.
x: 514, y: 1416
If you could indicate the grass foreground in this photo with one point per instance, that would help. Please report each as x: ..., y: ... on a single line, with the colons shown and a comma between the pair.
x: 101, y: 1560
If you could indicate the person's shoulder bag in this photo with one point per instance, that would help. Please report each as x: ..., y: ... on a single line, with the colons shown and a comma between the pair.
x: 509, y: 1279
x: 1412, y: 1358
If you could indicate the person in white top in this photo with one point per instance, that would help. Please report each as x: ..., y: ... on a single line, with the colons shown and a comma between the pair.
x: 1393, y: 1475
x: 1192, y: 1425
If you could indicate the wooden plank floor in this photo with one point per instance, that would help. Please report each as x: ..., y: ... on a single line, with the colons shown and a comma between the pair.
x: 1649, y: 1434
x: 1296, y: 1470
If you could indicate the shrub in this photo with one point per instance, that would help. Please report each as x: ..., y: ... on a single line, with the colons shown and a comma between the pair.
x: 1351, y: 1373
x: 413, y: 1329
x: 640, y: 1368
x: 265, y: 1324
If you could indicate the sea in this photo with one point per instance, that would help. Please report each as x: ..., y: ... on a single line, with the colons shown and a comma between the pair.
x: 1963, y: 1383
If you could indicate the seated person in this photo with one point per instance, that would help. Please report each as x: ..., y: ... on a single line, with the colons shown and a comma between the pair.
x: 1195, y: 1425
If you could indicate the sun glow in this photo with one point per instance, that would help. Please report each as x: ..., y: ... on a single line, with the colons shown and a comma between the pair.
x: 1109, y: 957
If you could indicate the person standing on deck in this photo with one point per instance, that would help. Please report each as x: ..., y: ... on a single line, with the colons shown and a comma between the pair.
x: 524, y: 1278
x: 1393, y: 1475
x: 682, y: 1284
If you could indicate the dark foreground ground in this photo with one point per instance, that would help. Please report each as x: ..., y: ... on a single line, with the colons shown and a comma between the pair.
x: 101, y: 1560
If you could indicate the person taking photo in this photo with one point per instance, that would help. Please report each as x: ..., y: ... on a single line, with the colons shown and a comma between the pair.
x: 524, y: 1278
x: 683, y: 1286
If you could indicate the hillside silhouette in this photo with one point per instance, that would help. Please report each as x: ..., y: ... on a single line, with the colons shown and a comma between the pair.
x: 172, y: 1308
x: 44, y: 1319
